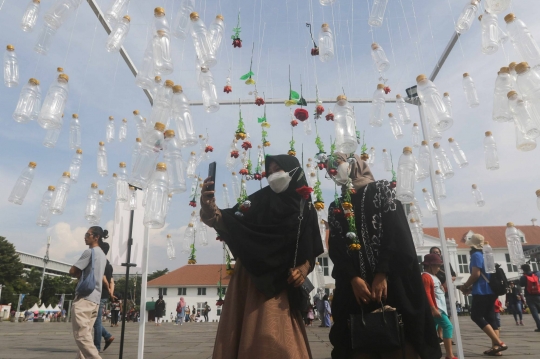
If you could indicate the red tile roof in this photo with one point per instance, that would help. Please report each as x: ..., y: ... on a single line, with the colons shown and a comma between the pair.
x: 495, y: 235
x: 193, y: 274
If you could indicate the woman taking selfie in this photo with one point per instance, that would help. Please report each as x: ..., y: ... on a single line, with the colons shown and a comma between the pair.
x: 274, y: 252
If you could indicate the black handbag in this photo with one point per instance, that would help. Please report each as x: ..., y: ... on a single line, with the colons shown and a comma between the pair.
x: 377, y: 332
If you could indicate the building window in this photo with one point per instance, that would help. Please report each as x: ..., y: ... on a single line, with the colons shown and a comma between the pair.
x: 162, y: 291
x: 509, y: 266
x: 223, y: 291
x: 182, y: 291
x: 200, y: 307
x: 201, y: 291
x: 323, y: 262
x: 522, y: 239
x: 535, y: 264
x: 463, y: 263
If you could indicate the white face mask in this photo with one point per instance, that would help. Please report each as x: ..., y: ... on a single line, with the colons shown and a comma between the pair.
x: 279, y: 181
x: 342, y: 176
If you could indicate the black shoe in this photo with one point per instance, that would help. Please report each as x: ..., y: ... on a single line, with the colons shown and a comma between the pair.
x: 537, y: 330
x: 107, y: 343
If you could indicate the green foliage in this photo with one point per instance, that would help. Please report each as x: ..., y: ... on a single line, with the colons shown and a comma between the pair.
x: 261, y: 119
x: 157, y: 273
x: 319, y: 143
x: 291, y: 143
x: 192, y: 253
x: 294, y: 95
x: 302, y: 102
x: 10, y: 264
x: 241, y: 126
x: 247, y: 76
x: 134, y: 284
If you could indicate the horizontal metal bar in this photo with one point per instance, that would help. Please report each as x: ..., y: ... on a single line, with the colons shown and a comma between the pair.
x: 444, y: 56
x: 281, y: 101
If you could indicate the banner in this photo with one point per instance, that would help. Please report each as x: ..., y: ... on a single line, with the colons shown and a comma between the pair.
x: 21, y: 299
x: 61, y: 302
x: 119, y: 243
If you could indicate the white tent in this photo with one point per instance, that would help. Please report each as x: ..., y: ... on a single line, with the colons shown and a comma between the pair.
x: 55, y: 309
x: 43, y: 308
x: 35, y: 308
x: 49, y: 309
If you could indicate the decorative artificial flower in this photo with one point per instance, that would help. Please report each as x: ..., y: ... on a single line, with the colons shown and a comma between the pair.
x: 294, y: 123
x: 291, y: 153
x: 191, y: 261
x: 354, y: 247
x: 250, y: 81
x: 257, y: 176
x: 243, y: 171
x: 321, y: 165
x: 230, y: 271
x: 319, y: 109
x: 237, y: 42
x: 235, y: 154
x: 266, y: 143
x: 330, y: 117
x: 209, y: 149
x: 332, y: 172
x: 301, y: 114
x: 263, y: 174
x: 393, y: 184
x: 337, y: 211
x: 364, y: 157
x: 193, y: 203
x: 349, y: 215
x: 246, y: 145
x: 304, y: 191
x: 387, y: 90
x: 352, y: 190
x: 315, y: 51
x: 240, y: 136
x: 347, y: 205
x: 319, y: 205
x: 227, y: 89
x: 290, y: 103
x: 259, y: 101
x: 219, y: 302
x: 265, y: 125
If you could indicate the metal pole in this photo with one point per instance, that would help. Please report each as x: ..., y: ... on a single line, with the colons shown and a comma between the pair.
x: 68, y: 319
x: 144, y: 287
x: 128, y: 264
x: 1, y: 286
x: 45, y: 261
x: 444, y: 56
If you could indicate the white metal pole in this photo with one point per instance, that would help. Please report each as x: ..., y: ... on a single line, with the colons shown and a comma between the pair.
x: 144, y: 282
x: 444, y: 247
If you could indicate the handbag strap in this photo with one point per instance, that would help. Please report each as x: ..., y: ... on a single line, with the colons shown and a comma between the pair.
x: 300, y: 217
x: 487, y: 280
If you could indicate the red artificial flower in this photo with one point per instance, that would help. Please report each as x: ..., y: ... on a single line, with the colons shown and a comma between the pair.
x: 332, y: 171
x: 301, y: 114
x: 234, y: 154
x: 337, y: 211
x: 352, y: 190
x: 244, y: 171
x: 209, y: 149
x: 349, y: 215
x: 330, y: 117
x: 257, y: 176
x: 319, y: 109
x: 246, y: 145
x: 393, y: 184
x: 304, y: 191
x: 227, y: 89
x: 244, y: 208
x: 237, y: 42
x: 220, y: 302
x: 321, y: 165
x: 259, y: 101
x: 193, y: 203
x: 315, y: 51
x: 387, y: 90
x: 263, y: 174
x: 294, y: 123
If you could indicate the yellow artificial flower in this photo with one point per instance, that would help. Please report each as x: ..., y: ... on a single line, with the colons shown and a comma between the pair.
x: 240, y: 136
x: 266, y: 144
x: 319, y: 205
x: 250, y: 81
x: 191, y: 261
x: 347, y: 205
x: 291, y: 153
x: 230, y: 271
x: 354, y: 247
x: 290, y: 103
x: 265, y: 125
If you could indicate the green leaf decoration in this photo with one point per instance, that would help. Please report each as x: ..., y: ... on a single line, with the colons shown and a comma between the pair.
x: 247, y: 76
x: 302, y: 102
x: 261, y: 119
x: 294, y: 95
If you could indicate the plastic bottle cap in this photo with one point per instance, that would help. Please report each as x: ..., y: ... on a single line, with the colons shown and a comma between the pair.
x: 193, y: 153
x: 480, y: 18
x: 413, y: 220
x: 504, y: 70
x: 32, y: 164
x: 424, y: 143
x: 510, y: 224
x: 94, y: 185
x: 324, y: 25
x: 75, y: 115
x: 122, y: 165
x: 511, y: 93
x: 509, y: 18
x: 161, y: 166
x: 446, y: 94
x: 168, y: 236
x: 111, y: 118
x: 101, y: 192
x: 159, y: 11
x: 398, y: 96
x: 177, y: 89
x: 114, y: 174
x: 169, y: 133
x: 522, y: 67
x: 375, y: 46
x: 59, y: 69
x: 512, y: 65
x: 390, y: 114
x: 407, y: 150
x: 66, y: 174
x: 101, y: 143
x: 131, y: 188
x: 341, y: 97
x: 79, y: 151
x: 437, y: 172
x: 450, y: 140
x: 220, y: 17
x: 159, y: 126
x: 415, y: 124
x: 137, y: 139
x: 157, y: 79
x: 436, y: 145
x: 372, y: 148
x: 466, y: 74
x: 538, y: 192
x: 234, y: 173
x: 224, y: 185
x: 10, y: 48
x: 486, y: 243
x: 488, y: 133
x: 380, y: 86
x: 124, y: 120
x: 127, y: 18
x: 51, y: 188
x: 204, y: 69
x: 136, y: 112
x: 194, y: 16
x: 33, y: 81
x: 169, y: 83
x: 384, y: 149
x: 420, y: 78
x: 190, y: 225
x: 161, y: 33
x: 474, y: 186
x: 36, y: 1
x: 424, y: 190
x: 63, y: 77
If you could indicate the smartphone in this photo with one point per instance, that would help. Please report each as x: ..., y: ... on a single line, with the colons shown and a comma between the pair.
x: 212, y: 175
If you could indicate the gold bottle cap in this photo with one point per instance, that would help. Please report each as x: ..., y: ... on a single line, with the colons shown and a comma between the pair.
x: 341, y: 97
x: 480, y: 18
x: 474, y: 186
x: 437, y: 172
x: 380, y: 86
x: 424, y: 190
x: 407, y: 150
x: 177, y: 89
x: 157, y: 79
x: 101, y: 192
x: 466, y: 74
x: 63, y: 77
x: 220, y: 17
x: 159, y: 11
x: 504, y: 70
x: 114, y: 174
x: 101, y: 143
x: 538, y: 192
x: 372, y: 148
x: 488, y: 133
x: 509, y: 18
x: 390, y: 114
x: 111, y: 118
x: 446, y: 94
x: 415, y: 124
x: 32, y: 164
x: 124, y: 120
x: 161, y: 166
x: 522, y: 67
x: 450, y: 139
x: 420, y: 78
x: 122, y: 165
x: 127, y: 18
x: 511, y: 93
x: 424, y: 143
x: 413, y: 220
x: 512, y: 65
x: 169, y: 83
x: 93, y: 185
x: 79, y: 151
x: 75, y: 115
x: 234, y: 173
x: 136, y: 112
x: 59, y: 69
x: 168, y: 236
x: 436, y: 145
x: 384, y: 149
x: 398, y: 96
x: 36, y: 1
x: 190, y: 225
x: 324, y: 25
x: 193, y: 153
x: 374, y: 46
x: 10, y: 48
x: 131, y: 188
x: 66, y: 174
x: 159, y: 126
x: 194, y: 16
x: 200, y: 136
x: 224, y: 185
x: 169, y: 133
x: 137, y: 139
x: 161, y: 33
x: 510, y: 224
x: 33, y: 81
x: 51, y: 188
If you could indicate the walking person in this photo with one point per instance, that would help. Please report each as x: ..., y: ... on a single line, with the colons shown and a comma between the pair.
x: 310, y: 316
x: 84, y: 309
x: 482, y: 311
x: 514, y: 303
x: 383, y: 270
x: 498, y: 308
x: 327, y: 312
x: 160, y: 310
x: 180, y: 311
x: 206, y: 310
x: 529, y: 281
x: 107, y: 291
x: 115, y: 311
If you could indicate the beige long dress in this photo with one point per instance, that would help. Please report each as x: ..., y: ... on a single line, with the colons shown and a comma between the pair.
x: 251, y: 326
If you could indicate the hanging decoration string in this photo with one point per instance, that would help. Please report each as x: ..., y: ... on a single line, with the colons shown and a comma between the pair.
x: 71, y: 35
x: 88, y: 63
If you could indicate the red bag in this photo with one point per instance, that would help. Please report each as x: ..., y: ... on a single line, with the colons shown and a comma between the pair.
x: 532, y: 285
x: 178, y: 308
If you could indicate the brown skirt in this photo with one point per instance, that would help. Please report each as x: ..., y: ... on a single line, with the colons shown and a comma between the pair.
x: 251, y: 326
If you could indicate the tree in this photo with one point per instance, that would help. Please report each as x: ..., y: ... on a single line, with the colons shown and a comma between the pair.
x: 11, y: 270
x: 157, y: 274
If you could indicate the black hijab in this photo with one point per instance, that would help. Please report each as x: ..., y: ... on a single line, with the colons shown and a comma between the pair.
x: 264, y: 238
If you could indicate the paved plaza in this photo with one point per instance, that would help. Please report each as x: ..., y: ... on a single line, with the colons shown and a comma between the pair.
x: 195, y: 340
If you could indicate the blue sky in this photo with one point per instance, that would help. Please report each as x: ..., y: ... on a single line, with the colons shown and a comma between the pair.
x: 414, y: 34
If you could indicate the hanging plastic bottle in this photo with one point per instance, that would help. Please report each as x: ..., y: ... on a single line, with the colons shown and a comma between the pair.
x: 423, y: 163
x: 525, y: 118
x: 523, y: 143
x: 376, y: 113
x: 403, y: 111
x: 434, y: 106
x: 430, y: 203
x: 145, y: 75
x: 51, y: 137
x: 226, y: 197
x: 74, y: 132
x: 371, y: 159
x: 326, y: 2
x: 387, y: 161
x: 326, y: 43
x: 503, y: 85
x: 155, y: 210
x: 203, y: 154
x: 110, y: 131
x: 405, y: 176
x: 379, y: 57
x: 161, y: 44
x: 11, y: 67
x: 118, y: 35
x: 161, y: 110
x: 202, y: 233
x: 148, y: 156
x: 440, y: 188
x: 396, y: 128
x: 92, y: 203
x: 470, y: 91
x: 44, y: 215
x: 183, y: 121
x: 54, y: 104
x: 528, y: 82
x: 172, y: 156
x: 140, y: 123
x: 45, y: 37
x: 490, y: 33
x: 203, y: 49
x: 192, y: 166
x: 232, y: 156
x: 447, y: 102
x: 414, y: 212
x: 135, y: 152
x: 458, y: 154
x: 442, y: 161
x: 182, y: 20
x: 489, y: 259
x: 515, y: 249
x: 19, y: 191
x: 61, y: 192
x: 417, y: 233
x: 115, y: 10
x: 307, y: 127
x: 433, y: 133
x: 170, y: 248
x: 478, y: 197
x: 235, y: 186
x: 30, y: 16
x: 467, y: 16
x: 215, y: 33
x: 497, y: 7
x: 522, y: 39
x: 208, y: 89
x: 29, y: 103
x: 189, y: 233
x: 122, y: 133
x: 156, y: 86
x: 122, y: 187
x: 376, y: 15
x: 490, y: 152
x: 131, y: 203
x: 512, y: 67
x: 415, y: 134
x: 75, y: 165
x: 60, y: 11
x: 345, y: 126
x: 102, y: 160
x: 111, y: 188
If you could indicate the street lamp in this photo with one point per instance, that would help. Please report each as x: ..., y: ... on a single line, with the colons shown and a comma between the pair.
x: 45, y: 261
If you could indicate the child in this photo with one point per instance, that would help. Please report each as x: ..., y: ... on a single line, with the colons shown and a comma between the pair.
x: 498, y: 310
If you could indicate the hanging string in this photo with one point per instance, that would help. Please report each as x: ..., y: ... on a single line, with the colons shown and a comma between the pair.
x: 114, y: 82
x: 71, y: 35
x: 371, y: 30
x: 38, y: 62
x: 419, y: 58
x: 454, y: 22
x: 351, y: 37
x: 223, y: 46
x: 432, y: 39
x: 261, y: 39
x: 87, y: 64
x: 335, y: 47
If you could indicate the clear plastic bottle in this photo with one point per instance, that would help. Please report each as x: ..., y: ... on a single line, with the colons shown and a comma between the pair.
x: 170, y: 248
x: 59, y: 200
x: 122, y: 133
x: 172, y: 156
x: 215, y: 33
x: 30, y: 16
x: 457, y: 153
x: 376, y: 114
x: 226, y: 198
x: 92, y: 203
x: 497, y: 7
x: 528, y: 82
x: 29, y: 103
x: 387, y: 161
x: 371, y: 159
x: 203, y: 48
x: 122, y: 187
x: 307, y: 127
x: 326, y: 2
x: 54, y: 104
x: 74, y: 133
x: 414, y: 212
x: 51, y: 137
x: 440, y: 188
x: 161, y: 44
x: 522, y: 39
x: 110, y: 130
x: 44, y: 215
x: 118, y: 35
x: 523, y: 143
x: 525, y: 119
x: 202, y: 233
x: 156, y: 86
x: 515, y: 248
x: 131, y: 203
x: 467, y: 16
x: 415, y: 134
x: 379, y: 57
x: 19, y: 191
x: 490, y: 33
x: 424, y: 162
x: 11, y: 67
x: 433, y: 132
x: 512, y: 67
x: 434, y: 106
x: 135, y: 152
x: 417, y: 233
x: 99, y: 210
x: 161, y: 110
x: 148, y: 156
x: 235, y: 185
x: 447, y: 102
x: 477, y: 195
x: 403, y: 111
x: 182, y: 118
x: 192, y: 166
x: 44, y: 41
x: 443, y: 162
x: 208, y: 89
x: 182, y: 21
x: 189, y: 233
x: 490, y: 152
x: 140, y: 123
x: 326, y: 43
x: 75, y: 165
x: 231, y: 160
x: 489, y: 259
x: 430, y: 203
x: 376, y: 15
x: 110, y: 189
x: 60, y: 11
x: 470, y: 91
x: 394, y: 125
x: 102, y: 160
x: 115, y: 10
x: 503, y: 85
x: 155, y: 211
x: 405, y: 176
x: 145, y: 75
x: 345, y: 126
